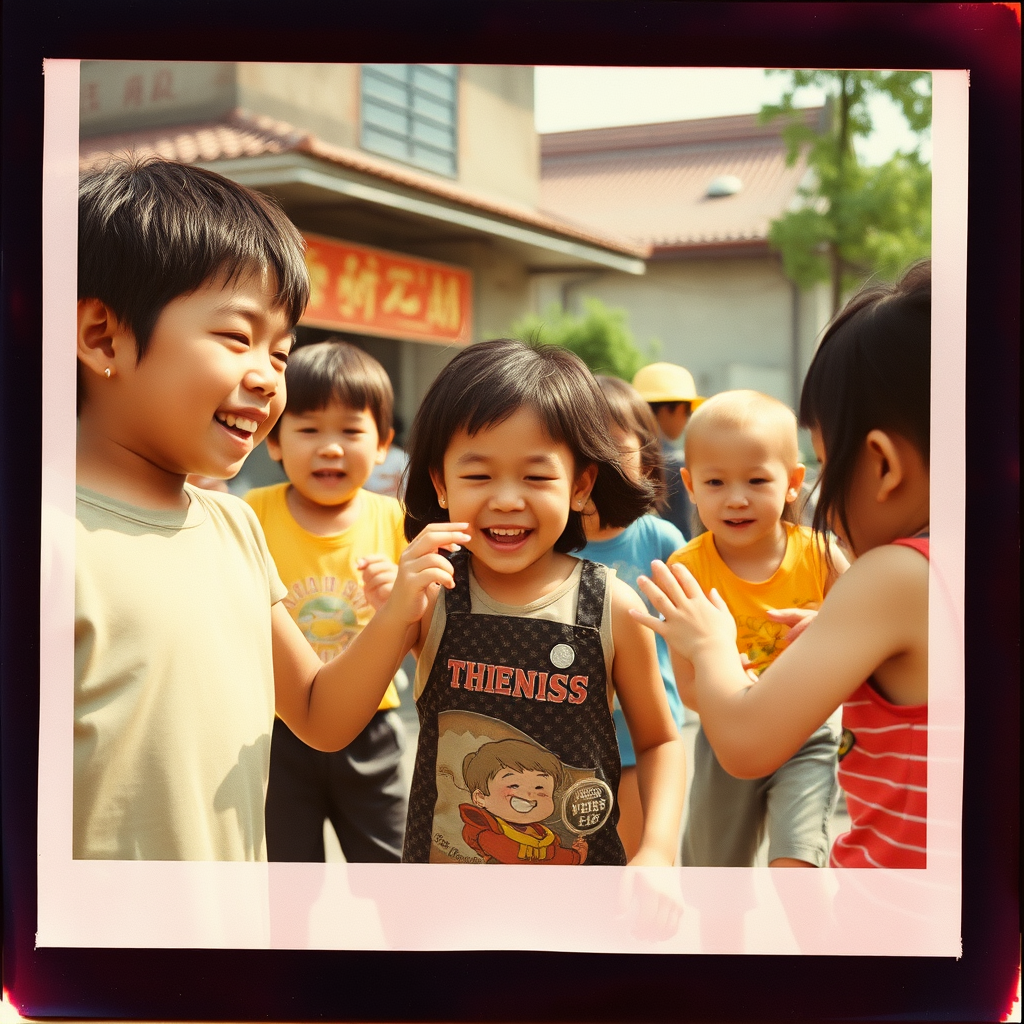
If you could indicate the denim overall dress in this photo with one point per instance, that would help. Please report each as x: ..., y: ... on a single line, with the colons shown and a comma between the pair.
x: 523, y: 684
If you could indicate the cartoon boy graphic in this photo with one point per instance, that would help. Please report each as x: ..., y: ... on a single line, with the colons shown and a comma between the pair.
x: 512, y: 783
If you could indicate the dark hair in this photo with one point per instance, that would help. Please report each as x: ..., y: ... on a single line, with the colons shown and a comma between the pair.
x: 629, y: 412
x: 151, y: 230
x: 656, y: 407
x: 488, y: 382
x: 872, y: 371
x: 335, y: 371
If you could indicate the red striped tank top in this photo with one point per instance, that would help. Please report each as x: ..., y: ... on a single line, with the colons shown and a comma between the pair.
x: 883, y: 769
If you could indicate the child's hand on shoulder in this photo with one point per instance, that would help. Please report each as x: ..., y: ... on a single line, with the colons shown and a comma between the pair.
x: 379, y: 574
x: 423, y: 570
x: 692, y: 623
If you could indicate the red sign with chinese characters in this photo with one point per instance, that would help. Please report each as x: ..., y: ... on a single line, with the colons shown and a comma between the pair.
x: 369, y: 291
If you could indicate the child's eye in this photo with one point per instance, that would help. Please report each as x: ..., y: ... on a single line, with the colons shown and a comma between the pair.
x: 475, y: 476
x: 759, y: 480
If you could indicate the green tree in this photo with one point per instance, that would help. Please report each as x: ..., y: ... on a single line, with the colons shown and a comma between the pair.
x: 599, y: 336
x: 854, y: 221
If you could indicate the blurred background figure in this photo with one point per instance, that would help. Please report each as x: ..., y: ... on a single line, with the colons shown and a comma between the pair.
x: 387, y: 477
x: 670, y: 392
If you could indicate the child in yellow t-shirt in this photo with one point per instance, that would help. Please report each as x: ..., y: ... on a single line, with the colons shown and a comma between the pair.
x: 335, y: 546
x: 744, y: 476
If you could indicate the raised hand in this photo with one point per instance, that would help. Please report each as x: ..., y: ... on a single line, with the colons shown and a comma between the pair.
x: 423, y: 570
x: 691, y: 621
x: 379, y: 574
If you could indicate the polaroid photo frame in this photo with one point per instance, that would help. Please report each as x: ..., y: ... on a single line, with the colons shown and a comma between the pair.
x: 439, y: 907
x: 128, y: 978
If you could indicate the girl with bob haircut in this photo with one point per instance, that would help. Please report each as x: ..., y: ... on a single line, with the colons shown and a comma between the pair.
x: 511, y: 441
x: 866, y: 401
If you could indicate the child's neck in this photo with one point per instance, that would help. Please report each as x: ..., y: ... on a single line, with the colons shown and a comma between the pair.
x: 118, y: 473
x: 531, y: 584
x: 323, y: 520
x: 757, y: 562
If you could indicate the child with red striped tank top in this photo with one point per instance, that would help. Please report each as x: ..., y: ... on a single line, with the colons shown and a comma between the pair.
x: 866, y: 401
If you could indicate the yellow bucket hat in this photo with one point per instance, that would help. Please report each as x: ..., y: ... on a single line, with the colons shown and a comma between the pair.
x: 666, y: 382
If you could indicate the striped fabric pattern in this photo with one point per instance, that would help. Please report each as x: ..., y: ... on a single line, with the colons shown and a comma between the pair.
x: 885, y: 776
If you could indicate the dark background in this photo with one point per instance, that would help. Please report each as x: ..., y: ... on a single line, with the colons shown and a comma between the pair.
x: 280, y: 985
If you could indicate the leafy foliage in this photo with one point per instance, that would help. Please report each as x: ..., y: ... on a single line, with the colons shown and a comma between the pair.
x: 853, y: 221
x: 600, y: 337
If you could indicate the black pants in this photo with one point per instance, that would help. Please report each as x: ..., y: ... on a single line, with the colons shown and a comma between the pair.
x: 359, y: 789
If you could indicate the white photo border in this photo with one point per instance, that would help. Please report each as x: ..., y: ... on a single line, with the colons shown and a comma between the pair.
x: 125, y: 904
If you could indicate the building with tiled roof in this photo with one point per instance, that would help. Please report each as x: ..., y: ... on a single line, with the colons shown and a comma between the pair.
x: 416, y: 186
x: 702, y: 195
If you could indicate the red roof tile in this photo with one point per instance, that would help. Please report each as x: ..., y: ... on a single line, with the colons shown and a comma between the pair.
x: 649, y: 182
x: 241, y: 134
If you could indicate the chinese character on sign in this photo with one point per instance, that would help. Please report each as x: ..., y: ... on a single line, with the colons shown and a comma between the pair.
x: 133, y: 91
x: 377, y: 292
x: 357, y: 287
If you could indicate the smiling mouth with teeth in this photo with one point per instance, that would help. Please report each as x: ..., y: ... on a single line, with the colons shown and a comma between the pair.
x: 506, y: 533
x: 521, y: 806
x: 237, y: 423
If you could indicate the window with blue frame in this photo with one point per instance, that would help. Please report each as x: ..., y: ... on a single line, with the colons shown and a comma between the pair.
x: 409, y: 113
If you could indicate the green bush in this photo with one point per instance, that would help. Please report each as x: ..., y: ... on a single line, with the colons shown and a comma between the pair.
x: 599, y: 336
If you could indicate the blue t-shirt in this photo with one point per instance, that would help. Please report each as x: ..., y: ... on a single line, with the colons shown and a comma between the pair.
x: 630, y: 554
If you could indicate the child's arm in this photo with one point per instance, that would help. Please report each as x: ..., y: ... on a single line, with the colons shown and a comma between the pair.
x: 874, y: 622
x: 327, y: 706
x: 660, y: 756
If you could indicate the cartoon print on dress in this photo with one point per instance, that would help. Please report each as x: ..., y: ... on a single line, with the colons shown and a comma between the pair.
x: 502, y: 798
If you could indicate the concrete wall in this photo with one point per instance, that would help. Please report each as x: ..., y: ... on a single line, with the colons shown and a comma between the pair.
x: 122, y: 95
x: 499, y: 149
x: 318, y: 98
x: 729, y: 321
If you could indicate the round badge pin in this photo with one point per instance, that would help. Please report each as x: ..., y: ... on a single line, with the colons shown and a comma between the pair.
x: 587, y: 805
x: 562, y: 655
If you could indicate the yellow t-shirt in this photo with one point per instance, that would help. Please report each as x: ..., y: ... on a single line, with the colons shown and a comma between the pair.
x: 799, y: 582
x: 325, y: 593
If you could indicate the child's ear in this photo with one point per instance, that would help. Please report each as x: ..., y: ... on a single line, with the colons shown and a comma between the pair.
x: 274, y: 448
x: 103, y: 341
x: 687, y: 481
x: 796, y: 481
x: 437, y: 479
x: 383, y: 444
x: 886, y: 462
x: 583, y: 486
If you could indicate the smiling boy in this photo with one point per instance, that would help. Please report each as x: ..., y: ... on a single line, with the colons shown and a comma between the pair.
x: 189, y: 290
x: 744, y: 475
x: 335, y: 546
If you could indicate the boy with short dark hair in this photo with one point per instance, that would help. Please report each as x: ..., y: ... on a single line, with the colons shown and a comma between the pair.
x: 189, y: 290
x: 329, y: 537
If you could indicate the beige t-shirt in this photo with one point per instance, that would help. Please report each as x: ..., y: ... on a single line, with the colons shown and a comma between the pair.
x: 174, y: 680
x: 558, y: 606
